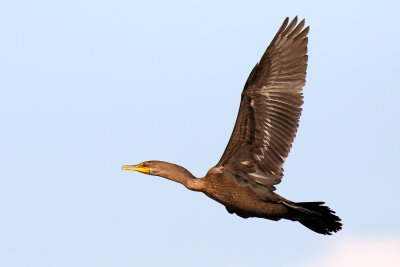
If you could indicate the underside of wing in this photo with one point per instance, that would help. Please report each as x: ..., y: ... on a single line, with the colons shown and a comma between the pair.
x: 270, y: 109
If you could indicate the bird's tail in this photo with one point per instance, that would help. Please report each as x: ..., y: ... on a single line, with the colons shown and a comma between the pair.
x: 315, y: 216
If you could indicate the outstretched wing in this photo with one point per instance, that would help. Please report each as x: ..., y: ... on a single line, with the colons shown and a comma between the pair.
x: 270, y: 109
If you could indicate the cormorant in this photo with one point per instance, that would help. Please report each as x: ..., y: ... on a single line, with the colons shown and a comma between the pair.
x: 244, y: 178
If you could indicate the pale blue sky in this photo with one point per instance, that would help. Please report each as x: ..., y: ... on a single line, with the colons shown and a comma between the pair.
x: 87, y: 86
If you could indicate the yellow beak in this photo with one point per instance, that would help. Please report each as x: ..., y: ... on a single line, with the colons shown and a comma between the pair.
x: 138, y: 168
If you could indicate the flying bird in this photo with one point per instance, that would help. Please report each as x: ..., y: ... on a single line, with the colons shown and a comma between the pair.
x: 245, y: 177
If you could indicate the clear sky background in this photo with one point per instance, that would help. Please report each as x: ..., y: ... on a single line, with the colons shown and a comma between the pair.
x: 88, y: 86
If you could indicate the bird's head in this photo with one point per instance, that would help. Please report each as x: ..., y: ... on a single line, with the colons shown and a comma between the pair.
x: 143, y: 167
x: 158, y: 168
x: 167, y: 170
x: 152, y: 167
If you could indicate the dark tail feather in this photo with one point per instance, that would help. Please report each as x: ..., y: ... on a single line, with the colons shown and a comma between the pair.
x: 315, y: 216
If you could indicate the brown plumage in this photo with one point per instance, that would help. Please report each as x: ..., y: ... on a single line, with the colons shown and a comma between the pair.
x: 270, y: 108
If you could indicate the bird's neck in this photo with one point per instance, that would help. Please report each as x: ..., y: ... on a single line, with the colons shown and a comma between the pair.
x: 180, y: 175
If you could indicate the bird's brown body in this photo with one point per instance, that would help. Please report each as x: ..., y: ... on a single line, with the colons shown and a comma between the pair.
x: 243, y: 198
x: 252, y: 164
